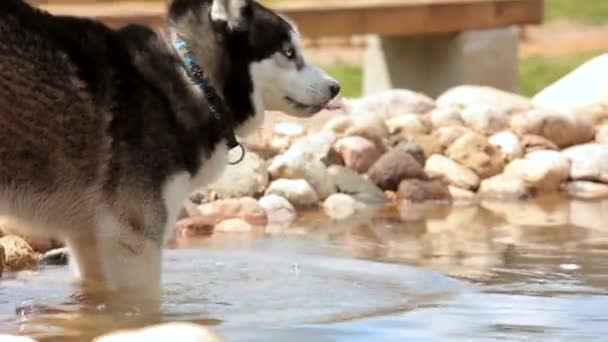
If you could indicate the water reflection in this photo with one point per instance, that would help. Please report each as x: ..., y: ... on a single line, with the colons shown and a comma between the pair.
x: 495, y: 270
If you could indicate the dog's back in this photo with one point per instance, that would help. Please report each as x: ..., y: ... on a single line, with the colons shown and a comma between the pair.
x: 51, y: 132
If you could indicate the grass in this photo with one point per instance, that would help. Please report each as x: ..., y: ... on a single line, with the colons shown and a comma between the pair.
x: 535, y: 73
x: 586, y: 11
x: 350, y: 78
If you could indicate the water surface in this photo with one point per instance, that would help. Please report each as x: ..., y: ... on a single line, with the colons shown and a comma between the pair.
x: 534, y: 271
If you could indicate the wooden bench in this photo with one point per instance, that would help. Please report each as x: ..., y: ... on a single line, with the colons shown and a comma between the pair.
x: 424, y: 45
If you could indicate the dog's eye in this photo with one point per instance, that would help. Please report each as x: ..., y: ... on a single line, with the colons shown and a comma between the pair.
x: 290, y: 53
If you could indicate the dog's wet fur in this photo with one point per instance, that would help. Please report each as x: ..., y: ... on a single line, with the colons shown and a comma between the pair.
x: 103, y: 134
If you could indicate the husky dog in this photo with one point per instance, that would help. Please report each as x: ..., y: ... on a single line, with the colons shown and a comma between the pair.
x: 104, y: 133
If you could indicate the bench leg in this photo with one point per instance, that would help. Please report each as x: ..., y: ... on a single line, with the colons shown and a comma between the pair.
x: 433, y: 63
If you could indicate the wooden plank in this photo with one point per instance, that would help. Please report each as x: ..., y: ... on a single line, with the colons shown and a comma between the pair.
x: 345, y: 18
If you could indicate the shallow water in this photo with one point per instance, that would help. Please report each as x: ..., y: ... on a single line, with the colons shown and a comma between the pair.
x: 533, y: 271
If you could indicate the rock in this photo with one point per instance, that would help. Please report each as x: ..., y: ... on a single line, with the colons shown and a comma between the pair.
x: 246, y: 208
x: 358, y: 187
x: 438, y: 166
x: 601, y: 134
x: 467, y: 95
x: 358, y: 153
x: 2, y: 260
x: 198, y: 226
x: 249, y: 178
x: 533, y: 143
x: 589, y: 162
x: 290, y: 129
x: 333, y: 158
x: 368, y: 125
x: 278, y: 210
x: 233, y: 226
x: 429, y: 144
x: 18, y: 254
x: 473, y: 151
x: 505, y: 187
x: 416, y: 190
x: 553, y: 160
x: 409, y: 125
x: 536, y: 174
x: 509, y: 143
x: 446, y: 136
x: 391, y: 103
x: 304, y: 160
x: 446, y: 116
x: 284, y: 134
x: 583, y: 86
x: 594, y: 114
x: 341, y: 206
x: 485, y: 119
x: 462, y: 196
x: 412, y: 148
x: 12, y: 338
x: 39, y: 244
x: 587, y: 190
x: 297, y: 191
x: 562, y: 129
x: 182, y: 332
x: 55, y: 257
x: 393, y: 167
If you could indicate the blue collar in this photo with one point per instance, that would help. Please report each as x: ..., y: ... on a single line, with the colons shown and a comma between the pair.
x: 215, y: 102
x: 195, y: 70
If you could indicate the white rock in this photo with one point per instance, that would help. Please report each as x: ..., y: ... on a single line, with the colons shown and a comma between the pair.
x: 360, y: 188
x: 509, y: 143
x: 233, y: 226
x: 391, y: 103
x: 446, y: 116
x: 462, y: 196
x: 584, y: 86
x: 248, y: 178
x: 438, y: 166
x: 341, y: 206
x: 601, y: 134
x: 408, y: 125
x: 369, y: 125
x: 297, y: 191
x: 278, y: 210
x: 484, y: 118
x: 291, y: 129
x: 177, y: 332
x: 505, y: 187
x: 587, y: 190
x: 446, y: 135
x: 589, y: 162
x: 303, y: 160
x: 12, y: 338
x: 543, y: 170
x: 467, y: 95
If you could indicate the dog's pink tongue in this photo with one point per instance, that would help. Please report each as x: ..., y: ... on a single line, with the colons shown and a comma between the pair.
x: 334, y: 104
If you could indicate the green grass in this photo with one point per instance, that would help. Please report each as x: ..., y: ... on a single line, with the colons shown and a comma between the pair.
x: 535, y: 73
x: 586, y: 11
x: 350, y: 78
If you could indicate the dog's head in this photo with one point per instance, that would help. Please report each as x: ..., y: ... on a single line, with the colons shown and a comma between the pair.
x: 253, y: 58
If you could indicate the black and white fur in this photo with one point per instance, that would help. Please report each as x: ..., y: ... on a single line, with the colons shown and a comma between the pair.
x: 103, y: 134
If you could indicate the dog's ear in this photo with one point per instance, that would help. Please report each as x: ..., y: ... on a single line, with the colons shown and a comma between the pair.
x: 235, y: 13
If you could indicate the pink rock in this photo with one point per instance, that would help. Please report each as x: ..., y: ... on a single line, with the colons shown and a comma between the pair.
x: 245, y: 208
x: 358, y: 153
x: 278, y: 210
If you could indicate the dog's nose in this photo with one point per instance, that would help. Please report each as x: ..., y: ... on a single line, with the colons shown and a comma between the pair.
x: 334, y: 89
